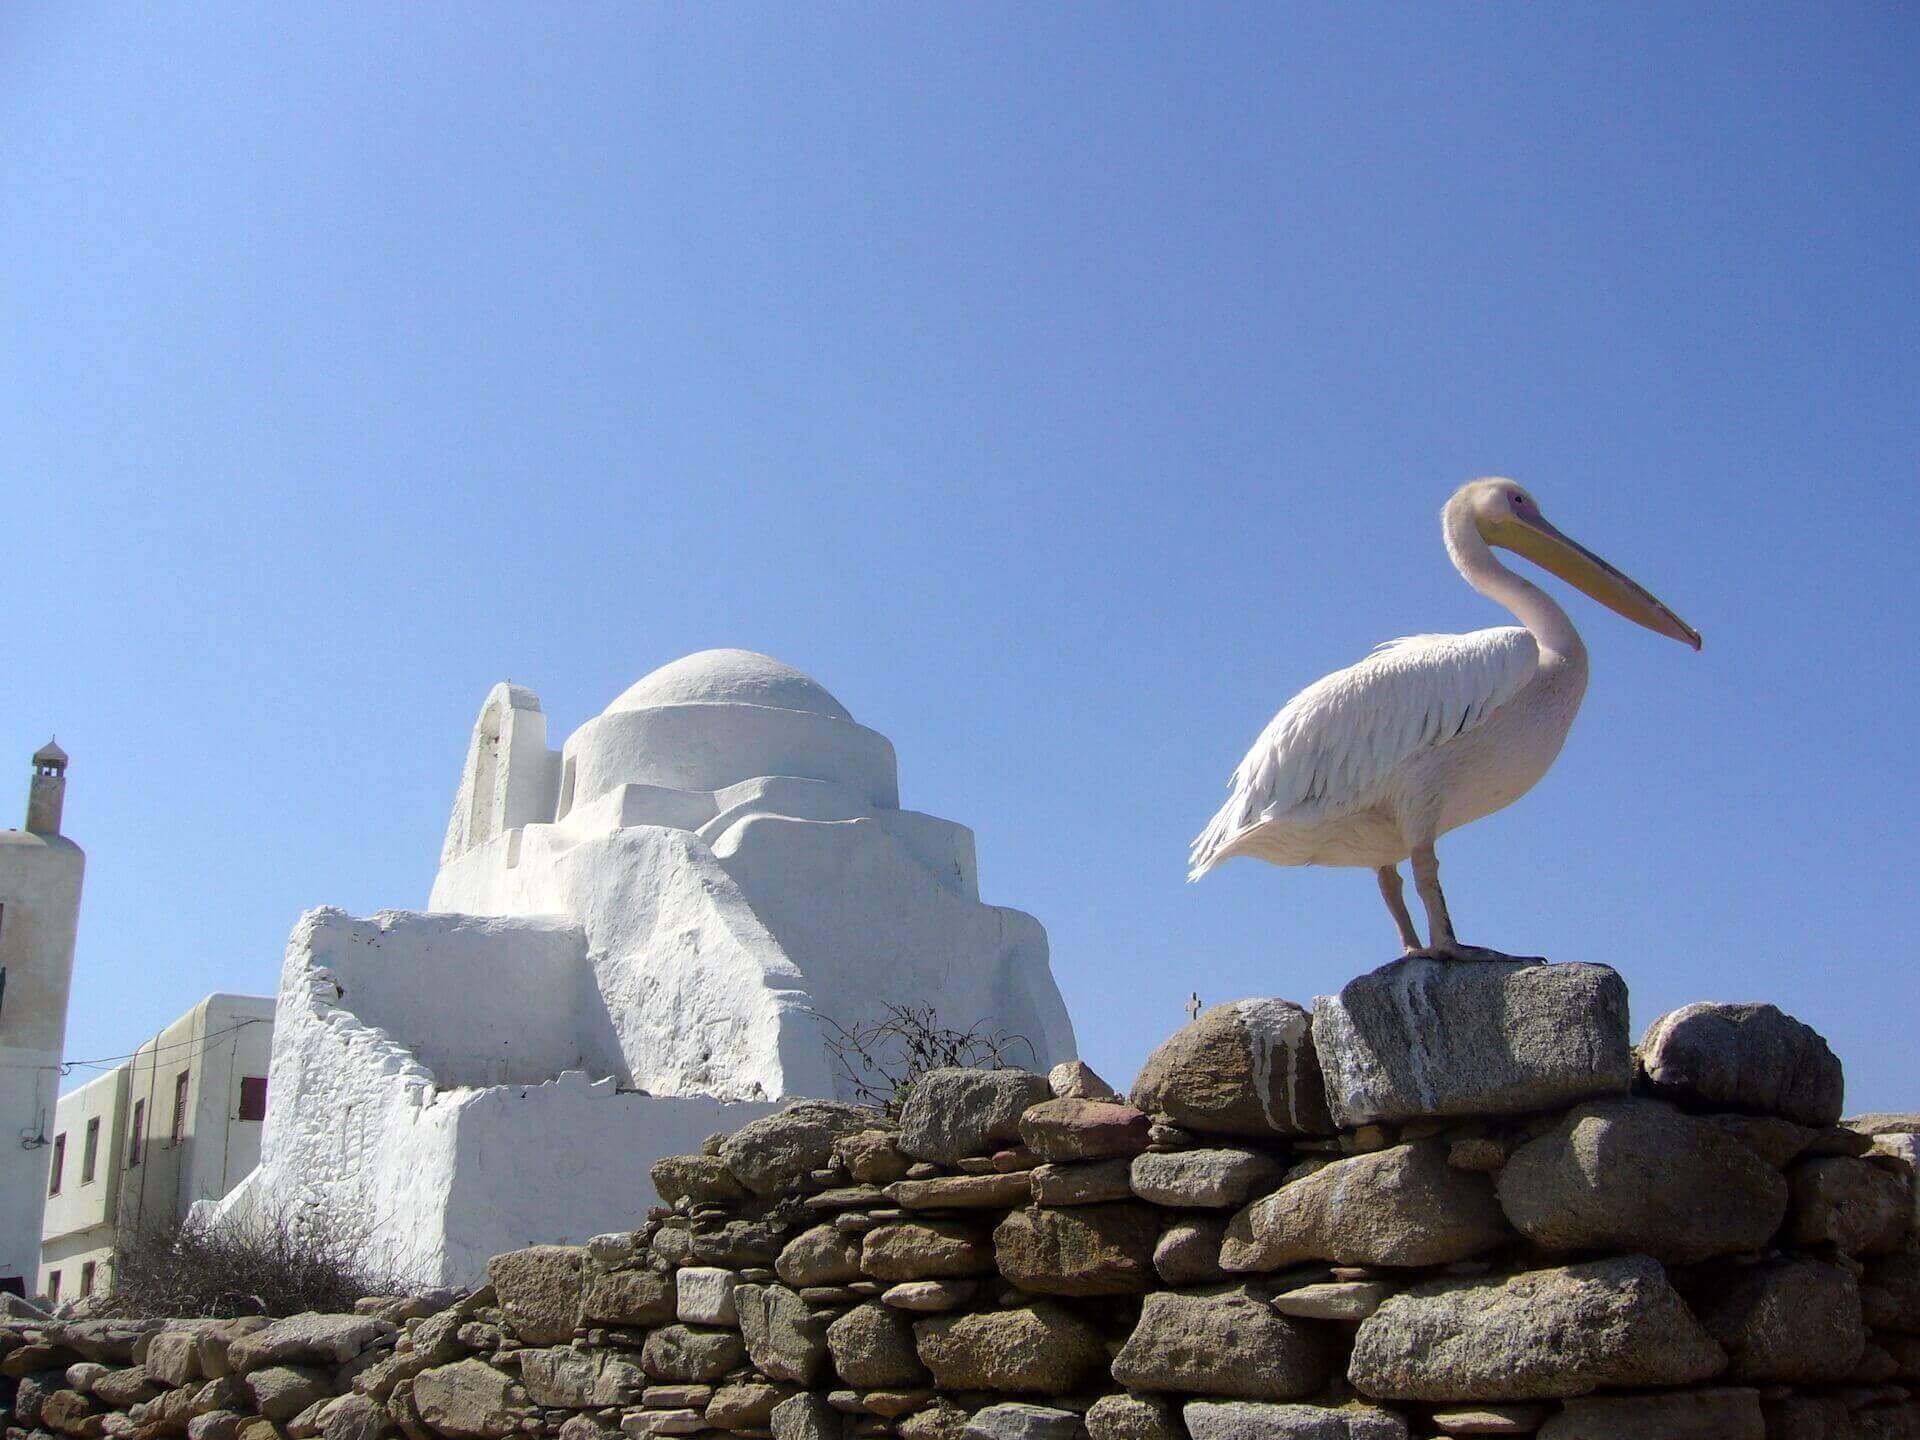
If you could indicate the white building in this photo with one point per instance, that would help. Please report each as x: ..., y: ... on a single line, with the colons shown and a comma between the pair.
x: 137, y: 1146
x: 40, y: 876
x: 631, y: 943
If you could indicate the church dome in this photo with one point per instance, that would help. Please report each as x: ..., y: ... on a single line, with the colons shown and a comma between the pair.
x: 730, y: 677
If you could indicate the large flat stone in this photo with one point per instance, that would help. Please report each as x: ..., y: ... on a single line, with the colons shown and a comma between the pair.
x: 1017, y: 1420
x: 1424, y: 1038
x: 1204, y: 1179
x: 1753, y: 1058
x: 1791, y: 1321
x: 785, y: 1338
x: 1250, y: 1420
x: 1225, y: 1342
x: 1852, y: 1205
x: 1637, y: 1176
x: 1079, y: 1250
x: 540, y: 1289
x: 1727, y: 1413
x: 1062, y: 1131
x: 1245, y: 1068
x: 1542, y: 1334
x: 1042, y: 1349
x: 1402, y: 1206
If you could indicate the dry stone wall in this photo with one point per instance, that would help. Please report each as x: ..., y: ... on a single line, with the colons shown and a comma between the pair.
x: 1452, y: 1200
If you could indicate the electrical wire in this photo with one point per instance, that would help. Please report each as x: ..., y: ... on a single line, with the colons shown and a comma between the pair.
x: 107, y: 1062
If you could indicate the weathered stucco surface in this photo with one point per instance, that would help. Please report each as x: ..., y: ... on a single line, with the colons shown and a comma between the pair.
x: 632, y: 943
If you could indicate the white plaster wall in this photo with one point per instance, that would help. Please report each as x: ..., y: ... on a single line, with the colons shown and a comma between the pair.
x: 475, y: 1001
x: 82, y: 1204
x: 709, y: 747
x: 438, y: 1180
x: 40, y: 883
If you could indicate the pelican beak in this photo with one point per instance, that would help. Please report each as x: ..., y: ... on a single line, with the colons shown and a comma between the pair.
x: 1536, y: 538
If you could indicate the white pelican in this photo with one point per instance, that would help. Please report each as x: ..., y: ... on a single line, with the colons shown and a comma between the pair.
x: 1374, y: 763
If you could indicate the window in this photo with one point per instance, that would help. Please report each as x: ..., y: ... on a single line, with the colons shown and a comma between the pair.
x: 90, y: 1156
x: 53, y: 1284
x: 179, y: 1131
x: 59, y: 1163
x: 253, y: 1097
x: 86, y: 1278
x: 139, y: 1133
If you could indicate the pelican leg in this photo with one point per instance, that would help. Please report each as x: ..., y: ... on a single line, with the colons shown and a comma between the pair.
x: 1444, y: 945
x: 1394, y: 893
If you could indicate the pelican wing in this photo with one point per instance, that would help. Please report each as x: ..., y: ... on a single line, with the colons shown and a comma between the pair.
x: 1336, y: 744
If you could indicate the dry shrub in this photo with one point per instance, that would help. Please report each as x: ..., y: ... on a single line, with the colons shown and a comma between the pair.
x: 267, y: 1265
x: 880, y: 1060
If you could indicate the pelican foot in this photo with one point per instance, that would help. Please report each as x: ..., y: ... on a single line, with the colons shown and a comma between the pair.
x: 1472, y: 952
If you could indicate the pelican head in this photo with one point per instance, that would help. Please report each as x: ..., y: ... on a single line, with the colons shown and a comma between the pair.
x: 1507, y: 515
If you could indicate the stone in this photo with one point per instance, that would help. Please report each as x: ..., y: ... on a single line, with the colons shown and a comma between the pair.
x: 705, y: 1295
x: 1637, y: 1176
x: 1807, y: 1417
x: 1890, y: 1292
x: 1541, y: 1334
x: 746, y: 1405
x: 110, y: 1340
x: 1719, y: 1414
x: 695, y: 1177
x: 956, y: 1112
x: 120, y: 1389
x: 82, y: 1376
x: 310, y: 1339
x: 1247, y: 1068
x: 873, y: 1348
x: 1478, y: 1153
x: 786, y: 1339
x: 1066, y: 1130
x: 1041, y: 1349
x: 1133, y: 1417
x: 1852, y: 1205
x: 1017, y: 1420
x: 1081, y: 1250
x: 1204, y: 1179
x: 1776, y: 1141
x: 931, y: 1297
x: 1188, y: 1251
x: 962, y: 1192
x: 73, y: 1414
x: 539, y: 1291
x: 664, y: 1422
x: 820, y: 1256
x: 354, y: 1417
x: 1429, y: 1038
x: 1751, y: 1058
x: 739, y: 1243
x: 871, y: 1156
x: 1895, y: 1421
x: 805, y: 1417
x: 1403, y: 1206
x: 684, y: 1355
x: 219, y: 1425
x: 1250, y: 1420
x: 1345, y: 1300
x: 1087, y: 1183
x: 280, y: 1392
x: 569, y: 1379
x: 1490, y: 1419
x: 941, y: 1420
x: 1224, y: 1342
x: 1790, y: 1321
x: 628, y: 1297
x: 926, y: 1250
x: 1075, y: 1080
x: 676, y: 1397
x: 770, y: 1154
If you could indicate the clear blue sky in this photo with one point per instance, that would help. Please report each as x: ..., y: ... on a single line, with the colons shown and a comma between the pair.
x: 1063, y: 386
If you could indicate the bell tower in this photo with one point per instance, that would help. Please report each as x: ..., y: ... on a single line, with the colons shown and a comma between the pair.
x: 40, y: 876
x: 47, y: 791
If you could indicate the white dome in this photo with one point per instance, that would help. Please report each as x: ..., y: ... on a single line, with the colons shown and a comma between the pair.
x: 730, y: 677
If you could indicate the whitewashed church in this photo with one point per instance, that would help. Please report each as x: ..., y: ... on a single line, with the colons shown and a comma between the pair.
x: 629, y: 945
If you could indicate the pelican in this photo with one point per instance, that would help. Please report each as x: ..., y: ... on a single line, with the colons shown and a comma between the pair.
x: 1373, y: 764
